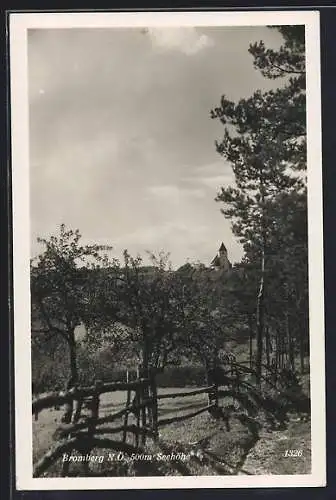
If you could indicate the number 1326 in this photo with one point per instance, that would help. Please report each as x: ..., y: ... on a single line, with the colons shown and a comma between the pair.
x: 293, y: 453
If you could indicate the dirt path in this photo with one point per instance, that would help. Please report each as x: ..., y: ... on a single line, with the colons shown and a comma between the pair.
x: 268, y: 456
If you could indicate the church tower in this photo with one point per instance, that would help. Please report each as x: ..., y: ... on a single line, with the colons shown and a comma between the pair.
x: 221, y: 261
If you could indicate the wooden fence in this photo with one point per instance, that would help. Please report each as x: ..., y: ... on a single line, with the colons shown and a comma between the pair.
x: 82, y: 426
x: 83, y: 429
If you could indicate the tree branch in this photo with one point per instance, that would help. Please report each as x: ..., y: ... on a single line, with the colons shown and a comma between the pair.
x: 46, y: 338
x: 289, y: 71
x: 51, y: 327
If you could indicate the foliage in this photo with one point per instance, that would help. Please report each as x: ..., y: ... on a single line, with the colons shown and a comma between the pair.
x: 61, y: 288
x: 207, y: 314
x: 264, y: 140
x: 289, y: 59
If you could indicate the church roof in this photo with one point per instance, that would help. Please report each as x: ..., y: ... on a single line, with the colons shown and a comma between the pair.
x: 215, y: 261
x: 222, y: 247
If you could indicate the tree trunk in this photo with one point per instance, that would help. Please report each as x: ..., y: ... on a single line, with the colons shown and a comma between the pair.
x: 73, y: 379
x: 282, y: 351
x: 73, y: 360
x: 267, y: 341
x: 303, y: 330
x: 290, y: 343
x: 251, y: 342
x: 260, y: 317
x: 302, y: 363
x: 277, y: 353
x: 261, y: 292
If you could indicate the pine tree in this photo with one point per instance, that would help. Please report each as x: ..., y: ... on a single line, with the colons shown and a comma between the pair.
x: 264, y: 140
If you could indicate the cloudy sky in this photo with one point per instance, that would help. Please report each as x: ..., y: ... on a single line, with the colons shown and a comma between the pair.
x: 121, y: 140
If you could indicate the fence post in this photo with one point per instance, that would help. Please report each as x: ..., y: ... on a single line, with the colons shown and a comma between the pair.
x: 154, y: 405
x: 78, y: 409
x: 128, y: 402
x: 67, y: 418
x: 137, y: 412
x: 144, y: 374
x: 143, y: 411
x: 213, y: 392
x: 94, y: 407
x: 148, y: 396
x: 136, y: 403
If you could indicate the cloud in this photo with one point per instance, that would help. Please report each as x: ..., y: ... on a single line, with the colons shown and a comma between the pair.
x: 213, y: 175
x: 185, y: 40
x: 174, y: 193
x: 215, y: 182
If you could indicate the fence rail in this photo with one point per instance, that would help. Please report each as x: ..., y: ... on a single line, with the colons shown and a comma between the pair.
x: 80, y: 432
x: 186, y: 393
x: 60, y: 398
x: 180, y: 418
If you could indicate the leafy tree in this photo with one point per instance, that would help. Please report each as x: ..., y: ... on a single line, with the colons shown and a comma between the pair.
x: 63, y: 279
x: 208, y: 315
x: 146, y: 299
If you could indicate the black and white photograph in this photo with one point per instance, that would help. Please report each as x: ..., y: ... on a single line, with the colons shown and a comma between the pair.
x: 168, y: 250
